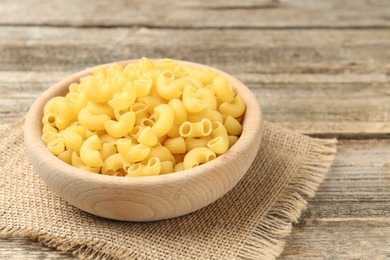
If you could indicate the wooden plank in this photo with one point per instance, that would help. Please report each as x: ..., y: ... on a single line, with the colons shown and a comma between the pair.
x: 197, y: 13
x: 349, y: 217
x: 321, y: 82
x: 256, y: 51
x: 19, y: 248
x: 340, y: 239
x: 355, y: 106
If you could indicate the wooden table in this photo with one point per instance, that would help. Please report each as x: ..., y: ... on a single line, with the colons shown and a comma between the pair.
x: 318, y: 67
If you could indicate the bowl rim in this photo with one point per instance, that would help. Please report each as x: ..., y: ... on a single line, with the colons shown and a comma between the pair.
x: 33, y: 132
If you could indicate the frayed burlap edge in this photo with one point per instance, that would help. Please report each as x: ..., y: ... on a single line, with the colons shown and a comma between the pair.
x: 266, y: 241
x: 268, y: 238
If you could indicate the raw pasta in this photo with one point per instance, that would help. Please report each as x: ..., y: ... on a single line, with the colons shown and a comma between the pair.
x: 144, y: 119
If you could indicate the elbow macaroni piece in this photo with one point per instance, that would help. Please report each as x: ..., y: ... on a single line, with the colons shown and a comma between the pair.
x: 148, y: 137
x: 121, y: 127
x: 235, y: 109
x: 191, y: 102
x: 232, y: 126
x: 89, y: 152
x: 165, y: 89
x: 164, y: 121
x: 147, y: 118
x: 132, y: 152
x: 125, y: 99
x: 77, y: 162
x: 222, y: 89
x: 179, y: 110
x: 153, y: 167
x: 161, y: 152
x: 192, y: 142
x: 220, y: 142
x: 197, y: 129
x: 166, y: 167
x: 73, y: 137
x: 198, y: 156
x: 142, y: 86
x: 92, y: 121
x: 175, y: 145
x: 115, y: 164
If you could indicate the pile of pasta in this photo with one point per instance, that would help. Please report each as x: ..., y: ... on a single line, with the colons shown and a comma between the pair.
x: 144, y: 119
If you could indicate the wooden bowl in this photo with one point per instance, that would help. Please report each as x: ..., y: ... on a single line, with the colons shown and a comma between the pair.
x: 143, y: 198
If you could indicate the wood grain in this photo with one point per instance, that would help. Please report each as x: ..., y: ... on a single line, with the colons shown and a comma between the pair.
x: 198, y: 13
x: 256, y: 51
x: 320, y: 82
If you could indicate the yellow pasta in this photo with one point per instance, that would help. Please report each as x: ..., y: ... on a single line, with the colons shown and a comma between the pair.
x: 48, y: 128
x: 146, y: 65
x: 165, y: 89
x: 121, y: 127
x: 222, y: 89
x: 196, y: 129
x: 89, y: 152
x: 162, y: 153
x: 232, y: 140
x: 147, y: 122
x: 142, y: 86
x: 132, y: 152
x: 73, y: 137
x: 56, y: 146
x: 150, y: 102
x: 192, y: 142
x: 49, y: 119
x: 153, y: 167
x: 66, y: 156
x: 165, y: 64
x: 77, y: 162
x: 179, y: 157
x: 178, y: 167
x: 79, y: 101
x: 235, y: 109
x: 92, y: 121
x: 136, y: 132
x: 166, y: 167
x: 47, y: 137
x: 179, y: 111
x: 147, y: 118
x: 100, y: 109
x: 124, y: 99
x: 153, y: 75
x: 174, y: 131
x: 220, y: 142
x: 208, y: 97
x: 148, y: 137
x: 191, y: 102
x: 175, y: 145
x: 115, y: 164
x: 193, y: 81
x: 212, y: 115
x: 233, y: 126
x: 198, y: 156
x: 164, y: 121
x: 204, y: 75
x: 107, y: 150
x: 140, y: 110
x: 96, y: 92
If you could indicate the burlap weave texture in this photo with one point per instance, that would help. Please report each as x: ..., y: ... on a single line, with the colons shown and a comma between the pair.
x: 250, y: 222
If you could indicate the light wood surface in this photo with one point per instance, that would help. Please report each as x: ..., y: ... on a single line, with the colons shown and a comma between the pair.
x: 319, y: 67
x: 143, y: 198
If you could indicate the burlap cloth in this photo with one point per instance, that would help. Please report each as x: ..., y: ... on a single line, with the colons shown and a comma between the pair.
x: 250, y: 222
